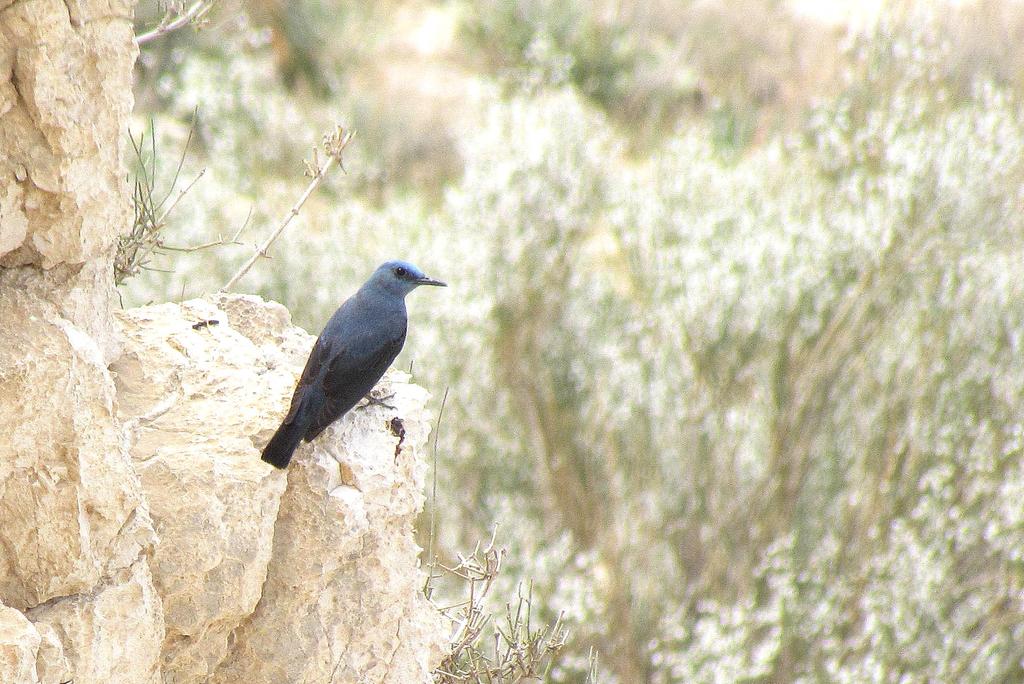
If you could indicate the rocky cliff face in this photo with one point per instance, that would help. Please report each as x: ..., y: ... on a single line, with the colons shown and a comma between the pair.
x: 226, y: 570
x: 141, y: 538
x: 307, y: 575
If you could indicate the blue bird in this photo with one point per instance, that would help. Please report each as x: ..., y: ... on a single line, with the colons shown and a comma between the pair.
x: 356, y: 346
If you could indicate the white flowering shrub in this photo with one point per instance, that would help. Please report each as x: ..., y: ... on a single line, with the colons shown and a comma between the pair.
x: 774, y: 401
x: 754, y: 418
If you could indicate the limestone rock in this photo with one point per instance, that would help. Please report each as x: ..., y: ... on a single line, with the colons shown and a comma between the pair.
x: 72, y: 504
x: 111, y: 635
x: 52, y: 665
x: 195, y: 396
x: 268, y: 325
x: 76, y: 530
x: 65, y: 479
x: 316, y: 582
x: 19, y: 644
x: 65, y: 96
x: 357, y: 613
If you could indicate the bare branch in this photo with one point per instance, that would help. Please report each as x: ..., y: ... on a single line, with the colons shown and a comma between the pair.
x: 428, y: 589
x: 517, y: 652
x: 219, y: 242
x: 181, y: 193
x: 334, y: 145
x: 195, y: 14
x: 151, y: 212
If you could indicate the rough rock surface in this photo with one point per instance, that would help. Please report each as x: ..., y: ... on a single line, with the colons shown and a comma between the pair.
x: 111, y: 634
x: 65, y: 96
x: 193, y: 399
x: 252, y: 574
x: 75, y: 529
x: 19, y: 644
x: 263, y: 583
x: 63, y: 463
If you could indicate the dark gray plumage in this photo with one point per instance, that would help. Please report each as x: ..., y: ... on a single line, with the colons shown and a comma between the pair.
x: 356, y: 346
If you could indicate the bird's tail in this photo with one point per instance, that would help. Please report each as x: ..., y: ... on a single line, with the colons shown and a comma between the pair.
x: 279, y: 449
x: 282, y: 445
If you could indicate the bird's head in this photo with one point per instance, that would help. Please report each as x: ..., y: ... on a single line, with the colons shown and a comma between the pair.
x: 401, y: 277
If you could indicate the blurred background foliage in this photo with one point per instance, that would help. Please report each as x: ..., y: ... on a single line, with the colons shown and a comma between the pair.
x: 733, y: 337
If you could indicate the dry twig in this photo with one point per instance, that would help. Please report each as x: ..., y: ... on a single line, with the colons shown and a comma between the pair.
x: 431, y: 557
x: 195, y: 15
x: 151, y: 211
x: 334, y: 145
x: 517, y: 652
x: 146, y: 236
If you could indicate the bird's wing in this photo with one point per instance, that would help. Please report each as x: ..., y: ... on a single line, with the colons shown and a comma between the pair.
x: 359, y: 362
x: 309, y: 375
x: 352, y: 373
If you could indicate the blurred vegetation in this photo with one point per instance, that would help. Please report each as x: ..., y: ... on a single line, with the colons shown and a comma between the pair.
x: 733, y: 333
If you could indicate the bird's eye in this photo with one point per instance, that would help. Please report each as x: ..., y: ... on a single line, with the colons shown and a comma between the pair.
x: 401, y: 272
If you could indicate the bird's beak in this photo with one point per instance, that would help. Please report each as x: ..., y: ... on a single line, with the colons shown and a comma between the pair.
x: 430, y: 281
